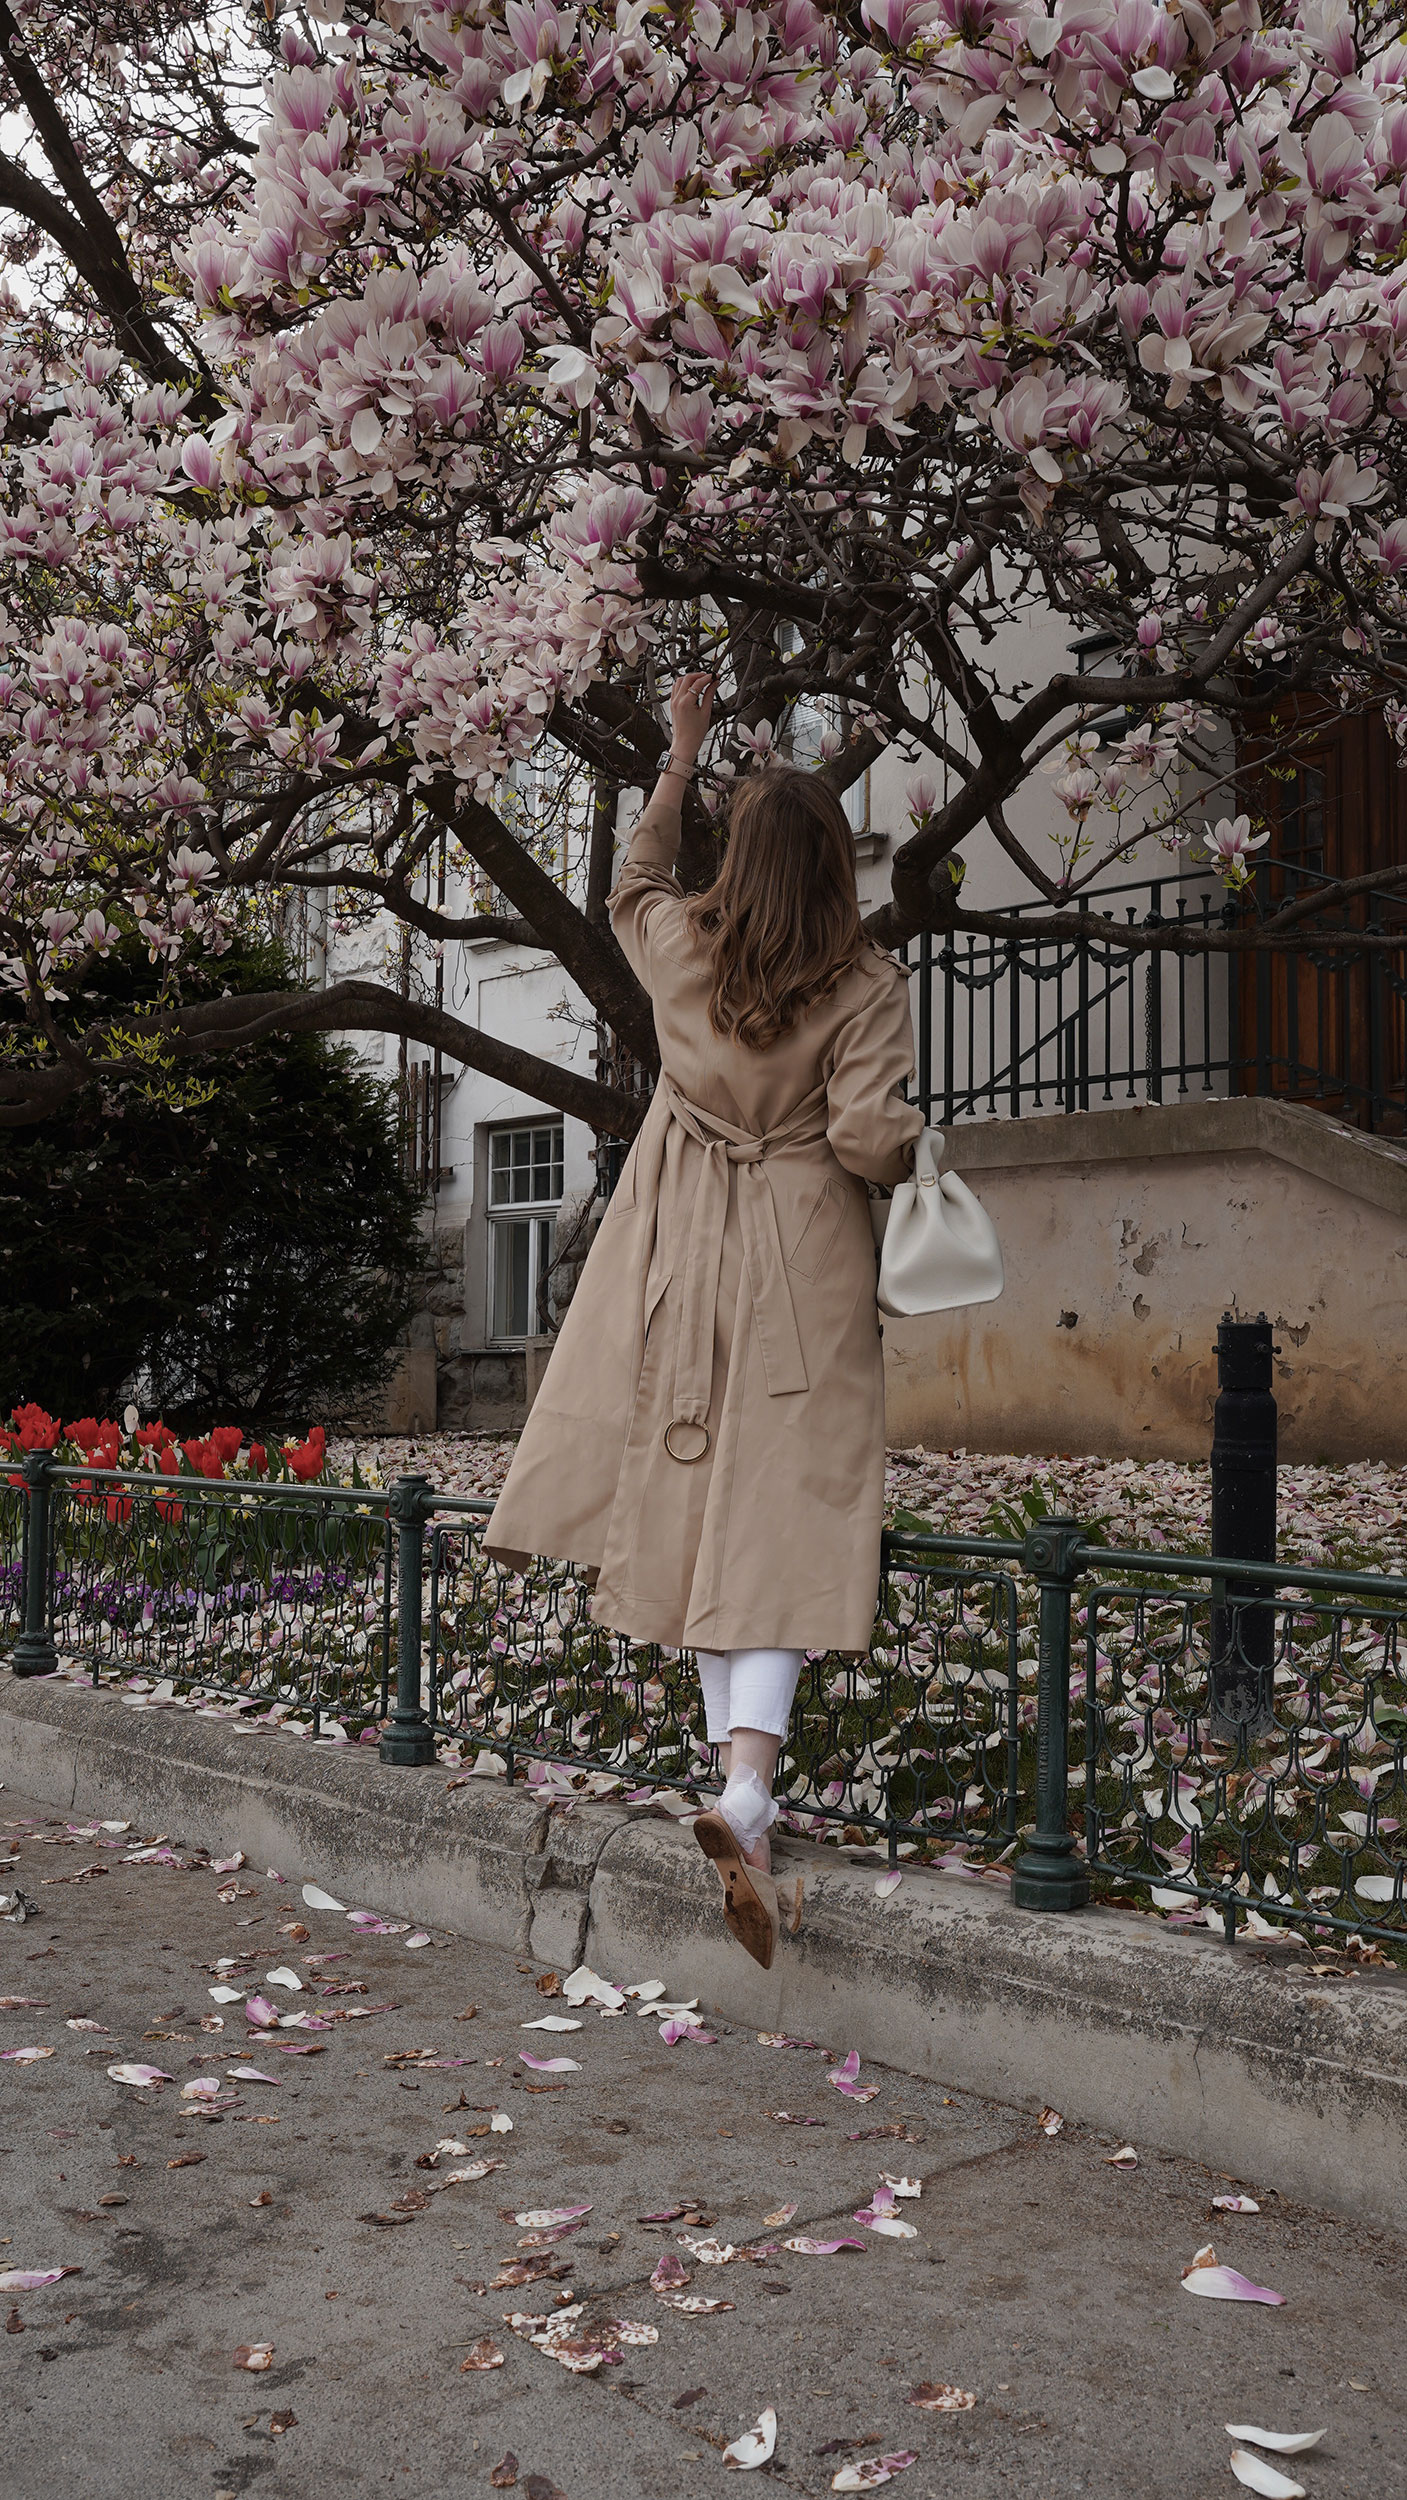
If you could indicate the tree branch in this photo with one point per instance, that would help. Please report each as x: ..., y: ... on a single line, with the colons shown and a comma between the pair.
x: 222, y: 1024
x: 88, y: 236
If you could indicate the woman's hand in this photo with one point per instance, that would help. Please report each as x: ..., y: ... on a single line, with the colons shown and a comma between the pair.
x: 690, y: 711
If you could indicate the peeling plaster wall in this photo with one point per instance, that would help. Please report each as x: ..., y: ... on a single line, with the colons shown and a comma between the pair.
x: 1126, y: 1235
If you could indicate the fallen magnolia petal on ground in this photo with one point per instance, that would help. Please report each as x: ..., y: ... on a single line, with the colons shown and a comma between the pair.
x: 685, y: 2027
x: 772, y: 2222
x: 544, y: 2217
x: 283, y: 1977
x: 139, y: 2077
x: 1050, y: 2122
x: 249, y: 2074
x: 1126, y: 2158
x: 586, y: 1987
x: 225, y: 1996
x: 558, y: 2338
x: 754, y: 2447
x: 844, y: 2078
x: 317, y: 1899
x: 885, y: 2223
x: 934, y: 2396
x: 475, y: 2170
x: 26, y: 2057
x: 549, y: 2065
x: 631, y: 2331
x: 260, y: 2013
x: 414, y: 1943
x: 1216, y: 2282
x: 204, y: 2088
x: 484, y: 2355
x: 1284, y: 2443
x: 867, y: 2473
x: 227, y: 1866
x: 552, y: 2022
x: 887, y: 1884
x: 1268, y: 2480
x: 18, y: 2279
x: 253, y: 2357
x: 784, y: 2118
x: 691, y: 2304
x: 1235, y: 2205
x: 902, y: 2187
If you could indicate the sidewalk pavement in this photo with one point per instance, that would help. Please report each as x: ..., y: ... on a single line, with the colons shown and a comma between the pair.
x: 1265, y: 2056
x: 299, y: 2214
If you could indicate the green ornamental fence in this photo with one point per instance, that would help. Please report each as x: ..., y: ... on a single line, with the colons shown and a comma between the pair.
x: 1223, y: 1736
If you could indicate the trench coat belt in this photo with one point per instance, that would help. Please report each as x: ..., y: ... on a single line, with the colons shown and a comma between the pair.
x: 778, y: 1336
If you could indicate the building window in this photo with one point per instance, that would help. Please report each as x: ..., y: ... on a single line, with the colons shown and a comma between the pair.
x: 525, y: 1191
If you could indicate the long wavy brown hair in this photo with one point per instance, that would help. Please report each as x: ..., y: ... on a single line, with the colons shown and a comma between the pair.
x: 781, y: 921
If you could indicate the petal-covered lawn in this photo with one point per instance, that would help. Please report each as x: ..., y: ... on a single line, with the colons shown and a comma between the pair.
x: 1352, y: 1516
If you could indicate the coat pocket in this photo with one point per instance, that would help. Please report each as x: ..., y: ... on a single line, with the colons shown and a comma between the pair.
x: 819, y: 1230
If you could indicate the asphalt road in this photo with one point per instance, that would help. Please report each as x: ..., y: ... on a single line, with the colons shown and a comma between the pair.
x: 300, y: 2214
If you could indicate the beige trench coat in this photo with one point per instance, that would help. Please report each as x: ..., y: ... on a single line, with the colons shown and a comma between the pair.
x: 709, y: 1433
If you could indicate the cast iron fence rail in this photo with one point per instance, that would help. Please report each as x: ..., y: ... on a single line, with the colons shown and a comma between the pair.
x: 1079, y: 1710
x: 1010, y: 1026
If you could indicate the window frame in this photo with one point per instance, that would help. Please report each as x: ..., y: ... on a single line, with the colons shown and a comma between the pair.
x: 534, y: 1213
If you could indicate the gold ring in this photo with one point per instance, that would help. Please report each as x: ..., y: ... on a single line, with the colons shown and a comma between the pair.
x: 687, y: 1458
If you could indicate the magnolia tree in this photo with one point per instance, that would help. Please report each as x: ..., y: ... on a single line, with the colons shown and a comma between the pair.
x: 388, y: 391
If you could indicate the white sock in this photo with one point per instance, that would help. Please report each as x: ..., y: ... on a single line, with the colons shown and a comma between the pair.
x: 747, y: 1807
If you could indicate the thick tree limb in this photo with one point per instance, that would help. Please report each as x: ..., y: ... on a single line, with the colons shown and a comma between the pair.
x: 223, y: 1024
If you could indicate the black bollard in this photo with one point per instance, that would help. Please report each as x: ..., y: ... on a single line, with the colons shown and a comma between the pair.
x: 1243, y: 1528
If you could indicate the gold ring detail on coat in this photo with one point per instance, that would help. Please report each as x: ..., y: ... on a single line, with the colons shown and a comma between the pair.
x: 687, y: 1458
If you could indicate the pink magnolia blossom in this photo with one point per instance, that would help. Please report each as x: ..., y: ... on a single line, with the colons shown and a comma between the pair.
x: 529, y: 339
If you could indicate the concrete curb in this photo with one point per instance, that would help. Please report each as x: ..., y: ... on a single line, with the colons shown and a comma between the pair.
x: 1245, y: 2064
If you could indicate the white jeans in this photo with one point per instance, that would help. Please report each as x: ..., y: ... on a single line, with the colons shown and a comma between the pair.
x: 748, y: 1688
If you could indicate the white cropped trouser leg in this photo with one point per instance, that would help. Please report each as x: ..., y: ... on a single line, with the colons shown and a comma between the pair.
x: 748, y: 1688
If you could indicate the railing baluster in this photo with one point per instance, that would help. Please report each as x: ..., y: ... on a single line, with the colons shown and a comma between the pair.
x: 34, y: 1652
x: 408, y: 1739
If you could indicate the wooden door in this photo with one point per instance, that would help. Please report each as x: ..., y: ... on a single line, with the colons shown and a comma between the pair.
x: 1327, y: 1026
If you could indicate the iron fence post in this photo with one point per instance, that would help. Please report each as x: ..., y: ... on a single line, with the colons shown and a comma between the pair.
x: 1049, y: 1875
x: 34, y: 1652
x: 408, y: 1739
x: 1244, y: 1489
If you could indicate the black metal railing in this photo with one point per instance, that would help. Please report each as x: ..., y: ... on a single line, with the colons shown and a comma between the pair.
x: 1006, y: 1026
x: 1040, y: 1704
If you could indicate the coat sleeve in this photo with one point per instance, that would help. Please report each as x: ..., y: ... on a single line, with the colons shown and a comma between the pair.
x: 648, y: 897
x: 870, y: 1127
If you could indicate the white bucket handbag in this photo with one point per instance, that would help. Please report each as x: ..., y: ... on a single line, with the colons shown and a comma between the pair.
x: 939, y: 1248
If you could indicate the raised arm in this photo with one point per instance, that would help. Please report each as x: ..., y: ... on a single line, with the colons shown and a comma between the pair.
x: 647, y: 885
x: 870, y: 1127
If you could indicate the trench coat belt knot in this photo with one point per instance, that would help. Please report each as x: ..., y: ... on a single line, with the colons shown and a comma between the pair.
x: 778, y: 1336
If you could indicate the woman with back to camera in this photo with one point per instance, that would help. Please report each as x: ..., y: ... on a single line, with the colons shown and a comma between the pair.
x: 709, y: 1435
